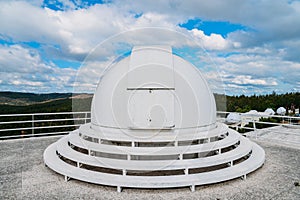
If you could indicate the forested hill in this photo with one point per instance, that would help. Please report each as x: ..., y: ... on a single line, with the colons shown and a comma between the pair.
x: 15, y: 102
x: 23, y: 99
x: 260, y: 103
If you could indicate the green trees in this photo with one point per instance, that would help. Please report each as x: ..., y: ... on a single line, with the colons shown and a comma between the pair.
x: 244, y: 103
x: 63, y: 102
x: 20, y: 103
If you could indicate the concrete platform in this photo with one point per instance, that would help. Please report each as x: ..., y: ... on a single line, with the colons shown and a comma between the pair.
x: 285, y: 135
x: 24, y: 176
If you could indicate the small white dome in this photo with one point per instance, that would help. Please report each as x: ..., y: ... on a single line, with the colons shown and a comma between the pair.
x: 281, y: 111
x: 233, y: 118
x: 252, y: 112
x: 269, y: 111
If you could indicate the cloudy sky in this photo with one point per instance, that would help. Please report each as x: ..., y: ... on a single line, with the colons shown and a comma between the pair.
x: 251, y: 47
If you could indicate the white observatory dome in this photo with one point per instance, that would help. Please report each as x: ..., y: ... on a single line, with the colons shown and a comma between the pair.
x: 153, y: 125
x: 233, y: 118
x: 281, y: 111
x: 269, y: 111
x: 153, y: 88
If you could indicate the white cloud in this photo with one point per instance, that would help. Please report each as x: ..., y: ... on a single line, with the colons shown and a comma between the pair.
x: 262, y: 72
x: 265, y: 56
x: 88, y: 76
x: 78, y: 31
x: 212, y: 42
x: 67, y: 4
x: 27, y: 83
x: 270, y: 22
x: 245, y: 80
x: 75, y: 31
x: 17, y: 59
x: 23, y: 69
x: 264, y: 15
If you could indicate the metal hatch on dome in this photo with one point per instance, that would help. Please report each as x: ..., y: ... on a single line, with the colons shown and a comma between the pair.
x: 151, y: 94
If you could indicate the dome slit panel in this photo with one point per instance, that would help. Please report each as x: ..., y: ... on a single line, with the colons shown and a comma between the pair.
x: 151, y: 95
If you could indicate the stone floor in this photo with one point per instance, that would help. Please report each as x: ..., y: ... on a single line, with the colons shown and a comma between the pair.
x: 23, y: 175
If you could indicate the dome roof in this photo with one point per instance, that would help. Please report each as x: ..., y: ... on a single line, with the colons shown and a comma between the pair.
x: 153, y: 89
x: 233, y: 118
x: 251, y: 112
x: 281, y: 111
x: 269, y: 111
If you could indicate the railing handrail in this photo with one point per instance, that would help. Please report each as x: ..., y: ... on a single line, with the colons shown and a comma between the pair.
x: 79, y: 120
x: 43, y: 120
x: 88, y: 112
x: 259, y: 115
x: 247, y: 118
x: 35, y: 114
x: 14, y: 127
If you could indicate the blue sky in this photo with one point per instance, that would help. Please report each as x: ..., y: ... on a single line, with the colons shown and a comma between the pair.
x: 58, y: 45
x: 216, y: 27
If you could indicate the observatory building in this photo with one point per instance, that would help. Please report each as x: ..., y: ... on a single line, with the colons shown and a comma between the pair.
x: 153, y: 125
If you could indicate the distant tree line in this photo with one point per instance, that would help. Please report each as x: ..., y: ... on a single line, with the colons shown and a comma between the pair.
x: 240, y: 103
x: 62, y: 105
x: 32, y: 97
x: 244, y: 103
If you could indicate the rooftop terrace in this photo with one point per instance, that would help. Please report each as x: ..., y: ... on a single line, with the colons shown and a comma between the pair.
x: 24, y: 176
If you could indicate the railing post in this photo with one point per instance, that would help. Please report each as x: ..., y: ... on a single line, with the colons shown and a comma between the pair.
x: 32, y: 124
x: 85, y: 117
x: 254, y: 126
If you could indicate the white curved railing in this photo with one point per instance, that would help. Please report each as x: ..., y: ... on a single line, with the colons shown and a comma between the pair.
x: 255, y: 119
x: 41, y: 124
